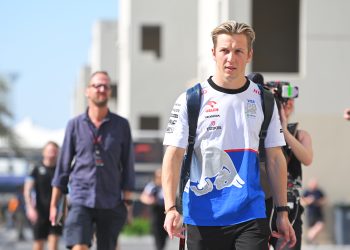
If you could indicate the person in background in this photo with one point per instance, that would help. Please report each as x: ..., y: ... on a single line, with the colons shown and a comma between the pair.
x: 346, y: 114
x: 152, y: 195
x: 314, y: 200
x: 97, y: 162
x: 223, y: 202
x: 298, y: 152
x: 37, y: 196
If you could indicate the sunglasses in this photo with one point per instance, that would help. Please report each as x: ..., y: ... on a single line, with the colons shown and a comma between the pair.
x: 98, y: 86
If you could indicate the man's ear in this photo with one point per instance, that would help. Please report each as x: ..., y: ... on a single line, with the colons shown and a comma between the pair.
x: 250, y: 56
x: 213, y: 53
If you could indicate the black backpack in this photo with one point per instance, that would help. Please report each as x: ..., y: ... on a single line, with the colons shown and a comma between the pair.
x: 194, y: 98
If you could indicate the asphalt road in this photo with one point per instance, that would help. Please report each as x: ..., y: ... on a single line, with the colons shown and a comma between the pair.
x: 8, y: 241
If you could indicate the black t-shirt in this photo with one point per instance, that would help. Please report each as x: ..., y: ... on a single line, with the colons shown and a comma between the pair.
x: 294, y: 165
x: 315, y: 209
x: 42, y: 176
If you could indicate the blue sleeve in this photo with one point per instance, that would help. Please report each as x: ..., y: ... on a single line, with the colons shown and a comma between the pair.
x: 127, y: 161
x: 64, y: 162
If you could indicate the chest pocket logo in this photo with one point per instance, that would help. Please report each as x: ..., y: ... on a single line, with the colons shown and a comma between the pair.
x: 251, y: 109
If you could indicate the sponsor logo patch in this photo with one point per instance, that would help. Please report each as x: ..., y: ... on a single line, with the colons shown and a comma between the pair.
x: 213, y: 126
x: 211, y: 106
x: 251, y: 109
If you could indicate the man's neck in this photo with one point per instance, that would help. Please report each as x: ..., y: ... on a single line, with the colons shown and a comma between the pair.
x: 48, y: 163
x: 229, y: 83
x: 97, y: 114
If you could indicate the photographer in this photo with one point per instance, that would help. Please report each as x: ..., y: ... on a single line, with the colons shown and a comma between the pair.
x: 298, y: 152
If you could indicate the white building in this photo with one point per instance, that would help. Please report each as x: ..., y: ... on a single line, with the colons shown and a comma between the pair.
x: 104, y: 55
x: 165, y: 45
x: 157, y: 44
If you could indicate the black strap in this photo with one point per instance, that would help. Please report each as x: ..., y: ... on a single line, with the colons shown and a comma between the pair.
x: 193, y: 96
x: 268, y: 102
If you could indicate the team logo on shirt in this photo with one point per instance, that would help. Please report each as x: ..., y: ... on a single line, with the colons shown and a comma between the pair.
x: 211, y: 116
x: 169, y: 130
x: 172, y: 121
x: 213, y: 126
x: 251, y: 109
x: 256, y: 91
x: 42, y: 170
x: 211, y: 106
x: 220, y: 172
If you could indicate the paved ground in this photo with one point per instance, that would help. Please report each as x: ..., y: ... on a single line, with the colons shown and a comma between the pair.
x: 8, y: 241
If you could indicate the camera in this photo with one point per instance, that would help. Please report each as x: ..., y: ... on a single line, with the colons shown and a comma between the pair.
x: 283, y: 90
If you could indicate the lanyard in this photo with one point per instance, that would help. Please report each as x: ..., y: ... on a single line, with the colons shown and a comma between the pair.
x: 96, y: 141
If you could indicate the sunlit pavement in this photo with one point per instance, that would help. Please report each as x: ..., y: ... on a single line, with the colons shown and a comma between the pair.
x: 8, y: 241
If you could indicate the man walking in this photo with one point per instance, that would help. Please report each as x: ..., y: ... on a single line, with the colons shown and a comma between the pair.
x: 97, y: 163
x: 38, y: 209
x: 223, y: 202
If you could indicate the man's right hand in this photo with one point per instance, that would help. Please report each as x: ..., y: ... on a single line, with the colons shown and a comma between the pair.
x: 32, y: 215
x: 53, y: 214
x: 173, y: 224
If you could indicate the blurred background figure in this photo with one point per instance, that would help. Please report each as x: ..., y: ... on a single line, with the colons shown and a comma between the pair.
x: 12, y: 206
x: 19, y: 216
x: 314, y: 200
x: 347, y: 114
x: 38, y: 185
x: 298, y: 152
x: 152, y: 195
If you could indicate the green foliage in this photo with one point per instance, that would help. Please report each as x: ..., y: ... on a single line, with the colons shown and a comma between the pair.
x: 139, y: 226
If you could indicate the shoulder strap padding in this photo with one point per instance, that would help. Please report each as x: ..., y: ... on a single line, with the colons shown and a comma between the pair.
x: 268, y: 103
x: 193, y: 96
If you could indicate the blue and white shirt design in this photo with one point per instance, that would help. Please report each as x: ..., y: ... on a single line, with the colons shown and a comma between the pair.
x: 224, y: 186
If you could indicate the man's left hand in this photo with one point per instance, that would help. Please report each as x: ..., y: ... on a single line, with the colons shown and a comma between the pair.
x: 285, y: 232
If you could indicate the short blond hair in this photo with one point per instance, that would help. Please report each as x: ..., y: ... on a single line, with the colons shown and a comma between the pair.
x: 231, y: 28
x: 100, y: 72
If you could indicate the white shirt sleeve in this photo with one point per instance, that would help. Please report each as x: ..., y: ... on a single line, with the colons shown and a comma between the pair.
x: 176, y: 133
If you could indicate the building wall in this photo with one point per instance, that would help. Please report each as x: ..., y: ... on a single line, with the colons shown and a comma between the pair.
x: 152, y: 84
x: 104, y: 52
x: 79, y: 99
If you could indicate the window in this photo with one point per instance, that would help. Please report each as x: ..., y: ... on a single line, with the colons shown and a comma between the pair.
x: 151, y: 39
x: 148, y: 157
x: 149, y: 122
x: 114, y: 90
x: 276, y: 47
x: 148, y: 151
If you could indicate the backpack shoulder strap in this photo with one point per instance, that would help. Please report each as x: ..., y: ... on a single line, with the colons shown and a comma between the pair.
x: 268, y: 102
x: 193, y: 97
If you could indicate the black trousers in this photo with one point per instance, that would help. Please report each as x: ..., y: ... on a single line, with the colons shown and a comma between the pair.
x: 250, y: 235
x: 157, y: 222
